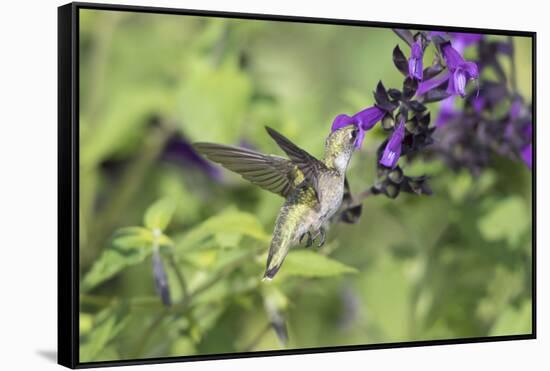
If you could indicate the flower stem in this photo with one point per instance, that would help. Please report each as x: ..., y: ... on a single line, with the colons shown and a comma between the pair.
x: 179, y: 276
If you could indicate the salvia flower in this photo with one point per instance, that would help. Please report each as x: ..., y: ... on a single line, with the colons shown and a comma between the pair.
x: 427, y: 85
x: 392, y: 152
x: 478, y: 103
x: 527, y: 155
x: 527, y: 151
x: 415, y: 61
x: 179, y: 150
x: 460, y: 71
x: 363, y: 120
x: 460, y: 40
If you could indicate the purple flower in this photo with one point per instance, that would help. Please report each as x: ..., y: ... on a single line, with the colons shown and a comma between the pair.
x: 460, y: 71
x: 527, y: 150
x: 479, y: 104
x: 179, y: 150
x: 415, y: 61
x: 460, y: 40
x: 363, y: 120
x: 392, y: 152
x: 516, y: 109
x: 446, y: 112
x: 527, y: 155
x: 426, y: 86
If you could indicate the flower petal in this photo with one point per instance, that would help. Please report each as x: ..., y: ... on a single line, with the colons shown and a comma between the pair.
x: 457, y: 85
x: 368, y: 117
x: 471, y: 69
x: 415, y: 61
x: 462, y: 40
x: 478, y: 103
x: 392, y: 152
x: 437, y: 33
x: 426, y: 86
x: 416, y: 50
x: 340, y: 121
x: 515, y: 109
x: 527, y: 155
x: 466, y: 38
x: 452, y: 57
x: 415, y: 68
x: 360, y: 138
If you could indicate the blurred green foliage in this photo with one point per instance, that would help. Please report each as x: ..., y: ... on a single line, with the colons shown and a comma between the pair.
x: 454, y: 265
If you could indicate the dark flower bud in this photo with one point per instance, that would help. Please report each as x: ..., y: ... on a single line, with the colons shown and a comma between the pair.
x: 400, y: 61
x: 424, y: 121
x: 417, y: 106
x: 418, y: 185
x: 411, y: 126
x: 396, y: 175
x: 409, y: 87
x: 394, y: 93
x: 377, y: 188
x: 435, y: 69
x: 388, y: 123
x: 391, y: 190
x: 405, y: 35
x: 382, y: 99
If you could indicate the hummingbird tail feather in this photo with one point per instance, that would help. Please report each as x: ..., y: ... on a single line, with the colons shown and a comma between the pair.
x: 278, y: 250
x: 271, y: 272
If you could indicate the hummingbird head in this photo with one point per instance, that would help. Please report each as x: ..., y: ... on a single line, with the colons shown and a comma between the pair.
x: 339, y: 147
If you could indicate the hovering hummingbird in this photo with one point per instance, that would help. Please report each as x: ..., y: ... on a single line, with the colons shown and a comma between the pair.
x: 313, y: 189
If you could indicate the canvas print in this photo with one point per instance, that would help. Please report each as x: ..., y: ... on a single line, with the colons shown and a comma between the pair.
x: 261, y: 185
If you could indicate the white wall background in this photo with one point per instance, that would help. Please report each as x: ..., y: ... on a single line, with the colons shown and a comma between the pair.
x: 28, y: 183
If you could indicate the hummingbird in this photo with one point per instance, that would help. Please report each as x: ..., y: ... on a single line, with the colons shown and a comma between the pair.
x: 313, y: 189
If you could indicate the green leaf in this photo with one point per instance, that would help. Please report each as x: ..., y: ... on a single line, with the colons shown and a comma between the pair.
x: 132, y: 237
x: 307, y: 263
x: 227, y: 228
x: 107, y: 324
x: 159, y: 214
x: 507, y: 220
x: 112, y: 261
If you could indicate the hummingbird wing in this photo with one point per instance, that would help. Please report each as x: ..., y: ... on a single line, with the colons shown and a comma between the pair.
x: 273, y: 173
x: 309, y: 165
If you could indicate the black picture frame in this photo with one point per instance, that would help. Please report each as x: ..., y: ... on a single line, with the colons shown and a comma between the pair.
x: 68, y: 183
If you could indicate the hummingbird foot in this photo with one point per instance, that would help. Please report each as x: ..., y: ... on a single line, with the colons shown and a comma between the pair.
x: 323, y: 235
x: 309, y: 241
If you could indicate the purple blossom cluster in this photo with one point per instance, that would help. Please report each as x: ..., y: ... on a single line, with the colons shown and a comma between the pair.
x: 493, y: 120
x: 463, y: 137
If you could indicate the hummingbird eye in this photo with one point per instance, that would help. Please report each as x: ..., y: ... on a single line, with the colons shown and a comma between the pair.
x: 353, y: 134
